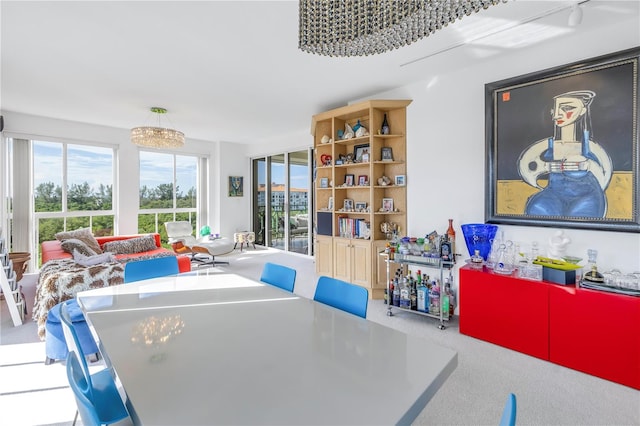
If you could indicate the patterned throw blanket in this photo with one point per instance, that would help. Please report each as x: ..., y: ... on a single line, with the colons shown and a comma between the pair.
x: 61, y: 279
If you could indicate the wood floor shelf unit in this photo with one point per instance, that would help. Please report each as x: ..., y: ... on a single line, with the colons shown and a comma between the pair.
x: 339, y: 253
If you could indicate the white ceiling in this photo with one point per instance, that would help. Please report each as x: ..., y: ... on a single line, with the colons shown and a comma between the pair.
x: 231, y: 70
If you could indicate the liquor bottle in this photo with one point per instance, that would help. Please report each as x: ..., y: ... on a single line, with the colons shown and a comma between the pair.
x: 384, y: 130
x: 396, y: 292
x: 451, y: 235
x: 422, y: 298
x: 414, y: 297
x: 452, y: 299
x: 405, y: 301
x: 434, y: 299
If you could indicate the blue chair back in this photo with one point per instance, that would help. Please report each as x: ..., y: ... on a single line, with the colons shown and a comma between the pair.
x: 342, y: 295
x: 278, y: 275
x: 509, y: 413
x: 151, y: 268
x: 99, y: 388
x: 78, y: 385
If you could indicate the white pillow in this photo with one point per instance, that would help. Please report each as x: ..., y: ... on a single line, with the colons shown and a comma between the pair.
x: 83, y: 260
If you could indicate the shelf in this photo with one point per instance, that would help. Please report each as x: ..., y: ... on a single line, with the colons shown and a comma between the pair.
x: 384, y: 213
x: 352, y: 165
x: 353, y: 187
x: 388, y: 186
x: 393, y: 136
x: 426, y: 314
x: 388, y: 162
x: 361, y: 139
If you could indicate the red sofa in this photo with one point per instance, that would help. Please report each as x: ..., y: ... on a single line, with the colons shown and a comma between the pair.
x: 53, y: 250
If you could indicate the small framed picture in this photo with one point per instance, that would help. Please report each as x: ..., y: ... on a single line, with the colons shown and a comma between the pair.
x: 386, y: 153
x: 361, y: 206
x: 236, y: 186
x: 360, y: 151
x: 330, y: 204
x: 363, y: 180
x: 400, y: 180
x: 348, y: 205
x: 324, y: 182
x: 349, y: 180
x: 387, y: 204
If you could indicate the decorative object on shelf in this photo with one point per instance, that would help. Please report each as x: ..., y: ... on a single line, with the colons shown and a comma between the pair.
x: 385, y: 129
x: 359, y: 152
x: 341, y: 160
x: 479, y: 236
x: 476, y: 261
x: 348, y: 132
x: 363, y: 180
x: 330, y: 204
x: 386, y: 153
x: 384, y: 181
x: 558, y: 245
x: 348, y: 158
x: 400, y: 180
x: 349, y: 180
x: 361, y: 206
x: 360, y: 130
x: 348, y: 205
x: 325, y: 159
x: 325, y: 139
x: 390, y: 229
x: 577, y: 153
x: 324, y: 182
x: 387, y: 205
x: 205, y: 230
x: 236, y: 186
x: 157, y: 136
x: 362, y: 28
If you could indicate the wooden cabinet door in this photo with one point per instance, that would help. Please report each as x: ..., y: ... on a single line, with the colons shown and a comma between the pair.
x: 361, y: 263
x: 324, y: 256
x: 342, y: 259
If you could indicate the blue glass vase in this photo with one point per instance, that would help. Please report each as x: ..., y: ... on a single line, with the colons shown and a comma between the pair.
x: 479, y: 236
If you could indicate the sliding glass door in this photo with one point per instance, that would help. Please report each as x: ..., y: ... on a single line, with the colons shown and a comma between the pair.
x: 281, y: 201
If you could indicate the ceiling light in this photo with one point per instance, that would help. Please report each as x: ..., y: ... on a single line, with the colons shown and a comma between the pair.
x: 368, y: 27
x: 575, y: 17
x: 157, y: 137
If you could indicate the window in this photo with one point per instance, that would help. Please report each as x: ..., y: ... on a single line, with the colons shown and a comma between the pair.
x: 72, y: 188
x: 168, y: 190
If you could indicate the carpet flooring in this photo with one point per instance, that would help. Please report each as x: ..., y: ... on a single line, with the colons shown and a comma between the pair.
x: 547, y: 394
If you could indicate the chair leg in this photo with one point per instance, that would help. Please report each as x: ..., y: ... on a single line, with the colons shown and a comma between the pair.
x: 49, y: 361
x: 234, y: 245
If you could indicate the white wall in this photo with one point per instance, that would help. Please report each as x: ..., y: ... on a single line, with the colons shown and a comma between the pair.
x: 234, y: 213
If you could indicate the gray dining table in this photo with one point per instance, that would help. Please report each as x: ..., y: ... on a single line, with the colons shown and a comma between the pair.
x: 218, y: 348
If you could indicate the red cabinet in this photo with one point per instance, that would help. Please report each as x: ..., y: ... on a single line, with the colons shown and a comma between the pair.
x: 591, y: 331
x: 595, y: 332
x: 506, y: 311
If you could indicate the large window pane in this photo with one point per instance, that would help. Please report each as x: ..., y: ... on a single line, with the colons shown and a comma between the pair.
x: 186, y: 177
x: 299, y: 202
x: 259, y: 197
x: 47, y: 176
x: 156, y: 180
x: 89, y: 178
x: 277, y: 201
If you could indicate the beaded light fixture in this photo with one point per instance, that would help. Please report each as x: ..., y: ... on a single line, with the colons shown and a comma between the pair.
x: 368, y: 27
x: 157, y: 137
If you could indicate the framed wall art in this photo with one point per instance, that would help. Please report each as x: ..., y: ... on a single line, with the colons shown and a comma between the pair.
x: 361, y: 153
x: 235, y: 186
x: 562, y: 146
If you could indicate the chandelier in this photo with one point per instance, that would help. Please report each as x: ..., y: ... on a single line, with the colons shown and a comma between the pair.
x: 157, y: 137
x: 368, y: 27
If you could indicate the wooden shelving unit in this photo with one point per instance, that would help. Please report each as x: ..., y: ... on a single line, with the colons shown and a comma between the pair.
x: 354, y: 258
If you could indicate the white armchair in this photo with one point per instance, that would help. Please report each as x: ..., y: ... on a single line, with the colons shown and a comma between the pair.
x: 202, y: 250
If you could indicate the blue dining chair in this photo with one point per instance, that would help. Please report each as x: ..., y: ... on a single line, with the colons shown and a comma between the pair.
x: 99, y: 388
x: 342, y: 295
x: 509, y: 413
x: 279, y: 276
x: 86, y: 409
x: 151, y: 268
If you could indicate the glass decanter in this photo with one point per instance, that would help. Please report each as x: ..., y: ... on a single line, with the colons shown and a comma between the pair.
x: 593, y: 275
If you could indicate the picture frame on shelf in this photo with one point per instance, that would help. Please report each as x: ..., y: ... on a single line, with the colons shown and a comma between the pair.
x: 386, y: 153
x: 330, y: 204
x: 324, y: 182
x: 363, y: 180
x: 400, y: 180
x: 361, y: 153
x: 361, y: 206
x: 349, y: 179
x: 387, y: 204
x: 577, y: 168
x: 348, y: 205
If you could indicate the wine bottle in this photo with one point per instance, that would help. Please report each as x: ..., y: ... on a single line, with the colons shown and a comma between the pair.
x: 384, y: 130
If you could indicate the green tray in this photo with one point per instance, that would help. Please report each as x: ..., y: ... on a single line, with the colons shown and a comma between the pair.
x: 556, y: 264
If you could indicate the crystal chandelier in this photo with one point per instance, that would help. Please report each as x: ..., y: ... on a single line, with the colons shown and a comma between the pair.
x: 157, y: 137
x: 368, y: 27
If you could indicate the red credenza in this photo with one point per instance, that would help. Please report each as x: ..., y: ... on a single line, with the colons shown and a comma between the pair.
x: 587, y: 330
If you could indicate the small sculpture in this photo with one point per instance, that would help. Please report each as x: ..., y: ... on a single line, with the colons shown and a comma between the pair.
x: 348, y: 132
x: 384, y: 181
x: 325, y: 139
x: 558, y: 245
